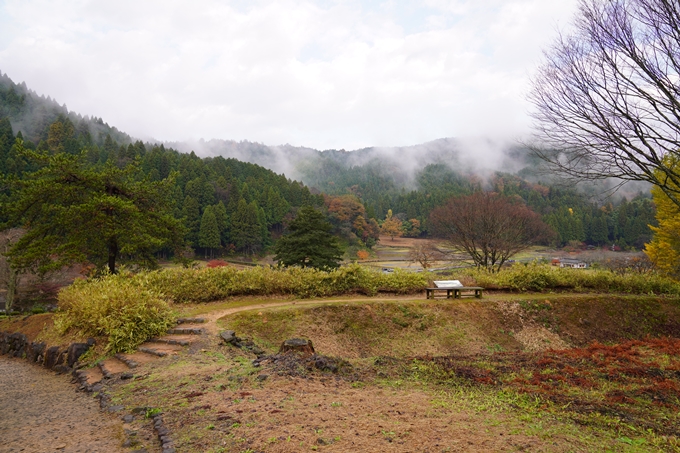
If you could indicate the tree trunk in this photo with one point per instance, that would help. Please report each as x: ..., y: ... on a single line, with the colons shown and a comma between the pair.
x: 113, y: 254
x: 12, y: 280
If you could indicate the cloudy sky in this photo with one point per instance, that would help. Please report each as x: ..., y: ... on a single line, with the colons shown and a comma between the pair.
x: 324, y: 74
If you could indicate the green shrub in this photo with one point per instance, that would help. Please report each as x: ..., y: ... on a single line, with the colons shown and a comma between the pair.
x: 204, y: 285
x: 123, y: 308
x: 543, y: 277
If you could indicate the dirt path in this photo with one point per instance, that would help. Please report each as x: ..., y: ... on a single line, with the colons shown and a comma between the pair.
x: 40, y: 412
x: 211, y: 317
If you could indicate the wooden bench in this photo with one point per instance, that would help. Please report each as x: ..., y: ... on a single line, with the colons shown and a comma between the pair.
x: 454, y: 289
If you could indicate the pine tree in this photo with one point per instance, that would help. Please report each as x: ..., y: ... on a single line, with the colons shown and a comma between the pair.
x: 246, y: 228
x: 191, y: 212
x: 209, y: 234
x: 222, y: 218
x: 75, y: 213
x: 309, y: 243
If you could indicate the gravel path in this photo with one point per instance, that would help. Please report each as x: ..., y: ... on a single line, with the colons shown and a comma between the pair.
x: 40, y: 412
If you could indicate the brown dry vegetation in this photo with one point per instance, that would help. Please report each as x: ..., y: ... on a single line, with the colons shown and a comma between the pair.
x: 423, y: 375
x: 431, y: 376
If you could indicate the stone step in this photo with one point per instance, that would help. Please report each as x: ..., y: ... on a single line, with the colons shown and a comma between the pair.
x: 160, y: 349
x: 170, y: 341
x: 152, y: 351
x: 191, y: 321
x: 186, y: 331
x: 126, y: 360
x: 91, y: 376
x: 112, y: 366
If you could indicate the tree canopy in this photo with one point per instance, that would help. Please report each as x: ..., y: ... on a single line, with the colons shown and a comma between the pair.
x: 608, y: 98
x: 75, y: 213
x: 309, y: 243
x: 664, y: 249
x: 488, y: 227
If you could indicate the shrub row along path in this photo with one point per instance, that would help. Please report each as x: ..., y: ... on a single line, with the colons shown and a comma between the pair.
x: 41, y: 412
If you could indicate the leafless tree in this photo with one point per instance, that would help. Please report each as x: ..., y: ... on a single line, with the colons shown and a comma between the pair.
x: 488, y: 227
x: 608, y: 96
x: 425, y: 253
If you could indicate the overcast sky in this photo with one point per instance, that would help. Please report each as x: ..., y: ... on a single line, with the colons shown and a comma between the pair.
x: 324, y: 74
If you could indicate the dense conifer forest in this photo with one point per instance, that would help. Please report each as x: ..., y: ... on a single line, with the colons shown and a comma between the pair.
x: 231, y: 206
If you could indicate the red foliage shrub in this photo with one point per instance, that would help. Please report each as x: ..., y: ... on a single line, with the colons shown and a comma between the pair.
x: 217, y: 263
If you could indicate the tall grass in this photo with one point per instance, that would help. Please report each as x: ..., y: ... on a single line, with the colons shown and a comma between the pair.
x: 120, y: 307
x: 205, y: 285
x: 543, y: 277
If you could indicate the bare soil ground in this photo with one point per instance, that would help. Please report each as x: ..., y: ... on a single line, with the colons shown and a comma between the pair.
x: 398, y: 388
x: 413, y: 375
x: 41, y: 412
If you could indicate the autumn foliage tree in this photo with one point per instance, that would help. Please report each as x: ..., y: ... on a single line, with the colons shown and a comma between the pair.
x: 391, y: 226
x: 488, y: 227
x: 349, y: 219
x: 664, y: 249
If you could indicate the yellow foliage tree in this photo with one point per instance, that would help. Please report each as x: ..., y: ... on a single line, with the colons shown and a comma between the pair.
x: 391, y: 226
x: 664, y: 249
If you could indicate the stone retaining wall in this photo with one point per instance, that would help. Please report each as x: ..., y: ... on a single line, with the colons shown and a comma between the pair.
x: 59, y: 359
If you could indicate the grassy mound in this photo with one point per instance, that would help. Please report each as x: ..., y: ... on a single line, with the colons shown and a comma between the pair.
x: 470, y: 326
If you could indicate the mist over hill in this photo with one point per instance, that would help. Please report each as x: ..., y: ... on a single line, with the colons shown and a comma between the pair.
x: 32, y: 114
x: 401, y: 165
x: 408, y: 181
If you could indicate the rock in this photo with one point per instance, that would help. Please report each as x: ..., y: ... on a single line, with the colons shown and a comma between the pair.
x: 229, y: 336
x: 262, y: 377
x: 53, y: 357
x: 297, y: 345
x: 34, y: 351
x: 61, y: 369
x: 325, y: 364
x: 129, y: 418
x: 75, y: 350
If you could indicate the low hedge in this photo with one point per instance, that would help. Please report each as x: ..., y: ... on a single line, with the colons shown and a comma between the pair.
x: 544, y: 277
x: 208, y: 284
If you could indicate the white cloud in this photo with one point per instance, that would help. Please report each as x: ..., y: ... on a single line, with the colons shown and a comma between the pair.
x: 334, y: 74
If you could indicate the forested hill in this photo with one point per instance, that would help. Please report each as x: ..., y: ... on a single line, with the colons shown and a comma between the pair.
x: 362, y: 186
x: 224, y: 203
x: 411, y: 181
x: 32, y: 114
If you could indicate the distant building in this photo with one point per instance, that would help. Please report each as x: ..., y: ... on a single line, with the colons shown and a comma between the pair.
x: 569, y: 262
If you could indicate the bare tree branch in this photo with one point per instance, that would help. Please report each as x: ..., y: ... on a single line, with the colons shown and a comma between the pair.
x: 608, y: 96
